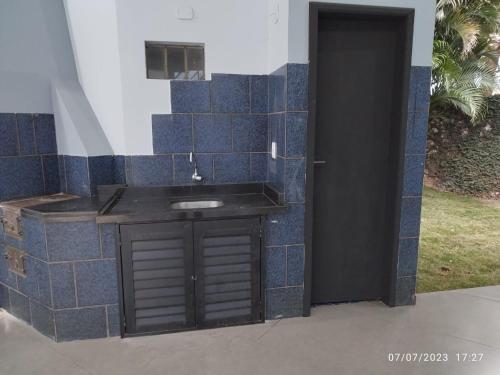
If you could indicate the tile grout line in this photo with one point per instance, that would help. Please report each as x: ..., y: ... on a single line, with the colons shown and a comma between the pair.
x: 74, y: 282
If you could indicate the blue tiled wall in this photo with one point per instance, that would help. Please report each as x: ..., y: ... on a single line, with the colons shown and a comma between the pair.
x: 66, y: 295
x: 288, y: 107
x: 229, y: 123
x: 28, y: 155
x: 81, y: 175
x: 223, y: 121
x: 416, y: 139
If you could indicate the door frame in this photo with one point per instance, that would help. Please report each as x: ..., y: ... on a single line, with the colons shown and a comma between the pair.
x: 407, y: 16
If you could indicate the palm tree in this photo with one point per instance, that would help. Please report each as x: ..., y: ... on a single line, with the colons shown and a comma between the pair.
x: 465, y: 56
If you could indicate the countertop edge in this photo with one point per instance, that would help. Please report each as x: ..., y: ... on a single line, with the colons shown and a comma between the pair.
x: 59, y: 216
x: 198, y: 214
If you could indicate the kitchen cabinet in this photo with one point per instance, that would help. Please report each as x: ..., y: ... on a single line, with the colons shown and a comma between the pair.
x: 191, y: 274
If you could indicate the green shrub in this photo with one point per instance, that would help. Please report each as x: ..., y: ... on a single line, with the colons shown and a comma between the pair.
x: 462, y: 157
x: 474, y: 166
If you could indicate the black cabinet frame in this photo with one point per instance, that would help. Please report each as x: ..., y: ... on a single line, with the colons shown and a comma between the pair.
x: 127, y: 328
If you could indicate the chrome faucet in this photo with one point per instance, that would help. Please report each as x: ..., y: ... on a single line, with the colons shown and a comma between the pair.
x: 196, y: 177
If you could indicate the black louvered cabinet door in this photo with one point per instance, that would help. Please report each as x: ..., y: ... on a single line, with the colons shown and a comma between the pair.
x: 227, y: 267
x: 157, y: 276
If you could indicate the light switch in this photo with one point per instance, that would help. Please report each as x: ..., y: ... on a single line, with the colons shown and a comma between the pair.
x: 274, y: 151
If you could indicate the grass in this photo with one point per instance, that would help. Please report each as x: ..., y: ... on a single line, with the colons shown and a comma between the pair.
x: 459, y: 243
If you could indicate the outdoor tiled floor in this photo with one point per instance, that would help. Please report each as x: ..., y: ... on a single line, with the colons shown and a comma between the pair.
x: 343, y: 339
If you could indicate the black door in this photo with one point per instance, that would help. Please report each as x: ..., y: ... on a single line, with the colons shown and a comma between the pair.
x: 358, y: 127
x: 227, y: 262
x: 158, y: 276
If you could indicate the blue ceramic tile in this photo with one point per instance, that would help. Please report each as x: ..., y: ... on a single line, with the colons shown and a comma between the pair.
x: 231, y: 168
x: 295, y: 170
x: 275, y: 267
x: 96, y: 282
x: 296, y: 134
x: 80, y: 324
x: 101, y: 172
x: 108, y: 240
x: 405, y: 291
x: 119, y: 170
x: 6, y: 277
x: 72, y: 241
x: 42, y: 319
x: 4, y: 297
x: 413, y: 175
x: 296, y: 87
x: 412, y: 94
x: 258, y: 167
x: 295, y: 265
x: 21, y: 177
x: 62, y: 174
x: 284, y: 302
x: 45, y: 133
x: 26, y: 134
x: 34, y: 237
x: 77, y: 175
x: 416, y: 133
x: 19, y: 306
x: 63, y: 285
x: 52, y: 182
x: 128, y: 170
x: 277, y: 90
x: 407, y: 257
x: 286, y: 228
x: 29, y: 285
x: 172, y: 133
x: 148, y: 170
x: 410, y: 217
x: 14, y: 241
x: 44, y: 285
x: 190, y: 96
x: 212, y: 133
x: 423, y: 88
x: 259, y: 91
x: 183, y: 169
x: 8, y: 140
x: 36, y: 284
x: 277, y: 130
x: 250, y: 133
x: 113, y: 320
x: 276, y: 173
x: 230, y: 93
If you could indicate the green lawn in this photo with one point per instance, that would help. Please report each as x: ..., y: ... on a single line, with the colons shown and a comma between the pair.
x: 459, y: 244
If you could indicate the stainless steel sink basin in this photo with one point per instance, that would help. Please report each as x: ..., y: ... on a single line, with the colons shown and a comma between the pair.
x: 188, y: 205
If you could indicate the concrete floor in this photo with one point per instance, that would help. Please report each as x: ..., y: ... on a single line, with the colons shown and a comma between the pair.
x: 342, y: 339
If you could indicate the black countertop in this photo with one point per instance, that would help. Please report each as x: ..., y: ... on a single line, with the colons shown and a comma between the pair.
x: 142, y: 204
x: 71, y: 210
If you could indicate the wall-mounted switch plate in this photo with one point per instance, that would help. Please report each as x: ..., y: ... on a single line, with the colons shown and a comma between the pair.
x: 185, y: 13
x: 274, y: 151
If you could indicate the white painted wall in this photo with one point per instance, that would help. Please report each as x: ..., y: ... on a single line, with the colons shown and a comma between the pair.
x: 240, y: 36
x: 26, y: 59
x: 38, y: 73
x: 77, y: 128
x: 298, y: 31
x: 94, y: 35
x: 234, y: 33
x: 278, y: 15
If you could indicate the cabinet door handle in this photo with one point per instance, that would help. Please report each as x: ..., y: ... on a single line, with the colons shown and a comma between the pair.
x: 319, y: 162
x: 193, y: 277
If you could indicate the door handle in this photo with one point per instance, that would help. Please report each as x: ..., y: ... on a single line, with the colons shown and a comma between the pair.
x: 317, y: 162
